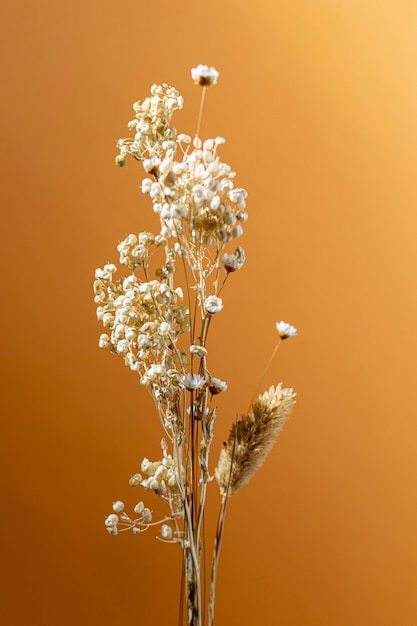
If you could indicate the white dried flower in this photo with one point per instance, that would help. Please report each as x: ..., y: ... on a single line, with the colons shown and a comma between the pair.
x: 204, y: 75
x: 104, y: 340
x: 286, y: 330
x: 135, y: 480
x: 111, y: 520
x: 147, y: 515
x: 217, y: 386
x: 166, y: 531
x: 139, y: 508
x: 213, y: 304
x: 190, y: 382
x: 118, y: 506
x: 198, y: 350
x: 233, y: 262
x: 182, y: 138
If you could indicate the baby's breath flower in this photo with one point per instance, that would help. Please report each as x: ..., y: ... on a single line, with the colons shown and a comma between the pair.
x: 104, y: 341
x: 213, y: 304
x: 120, y: 160
x: 135, y: 480
x: 139, y: 508
x: 111, y: 522
x: 198, y: 350
x: 204, y: 75
x: 118, y: 506
x: 182, y: 138
x: 286, y: 330
x: 166, y: 531
x: 111, y: 519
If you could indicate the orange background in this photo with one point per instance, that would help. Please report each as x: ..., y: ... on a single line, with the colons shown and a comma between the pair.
x: 318, y: 103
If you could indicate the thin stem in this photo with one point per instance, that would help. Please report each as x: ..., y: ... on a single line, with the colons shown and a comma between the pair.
x: 268, y: 365
x: 200, y: 112
x: 219, y: 537
x: 217, y: 546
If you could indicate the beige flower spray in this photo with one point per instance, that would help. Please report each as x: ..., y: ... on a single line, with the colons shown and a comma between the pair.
x: 160, y: 330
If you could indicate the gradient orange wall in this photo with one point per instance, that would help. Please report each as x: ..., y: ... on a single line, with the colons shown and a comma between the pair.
x: 318, y: 103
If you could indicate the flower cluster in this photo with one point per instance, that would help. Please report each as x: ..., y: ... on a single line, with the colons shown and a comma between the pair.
x: 161, y: 474
x: 152, y: 124
x: 197, y: 191
x: 144, y: 320
x: 119, y: 520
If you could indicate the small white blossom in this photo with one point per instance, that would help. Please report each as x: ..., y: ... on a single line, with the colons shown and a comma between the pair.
x: 166, y: 531
x: 233, y: 262
x: 111, y: 520
x: 286, y: 330
x: 104, y: 340
x: 139, y: 508
x: 204, y: 75
x: 182, y: 138
x: 147, y: 515
x: 190, y: 382
x: 135, y: 480
x: 118, y: 506
x: 213, y: 304
x: 198, y: 350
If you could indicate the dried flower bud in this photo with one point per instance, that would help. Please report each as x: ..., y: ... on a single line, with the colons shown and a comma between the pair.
x: 166, y: 531
x: 111, y: 520
x: 104, y: 341
x: 233, y: 262
x: 120, y: 160
x: 135, y: 480
x: 147, y: 515
x: 213, y: 304
x: 200, y: 351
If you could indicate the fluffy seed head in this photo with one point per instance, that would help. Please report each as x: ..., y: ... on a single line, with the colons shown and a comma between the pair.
x: 252, y: 437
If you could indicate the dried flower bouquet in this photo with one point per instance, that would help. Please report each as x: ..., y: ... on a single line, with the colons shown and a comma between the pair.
x: 160, y: 330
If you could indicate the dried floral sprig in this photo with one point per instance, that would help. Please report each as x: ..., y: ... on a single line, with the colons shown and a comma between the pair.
x: 252, y: 438
x: 160, y: 331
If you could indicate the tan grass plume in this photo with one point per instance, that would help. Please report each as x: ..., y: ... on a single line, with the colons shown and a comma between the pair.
x: 252, y: 437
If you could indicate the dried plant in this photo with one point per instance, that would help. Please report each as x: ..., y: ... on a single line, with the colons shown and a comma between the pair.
x: 160, y: 330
